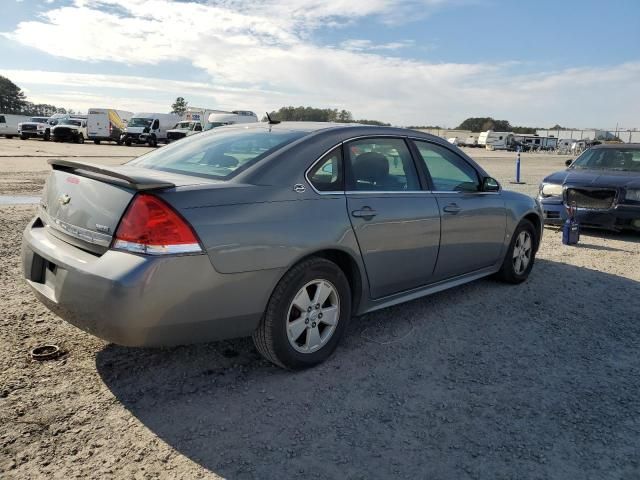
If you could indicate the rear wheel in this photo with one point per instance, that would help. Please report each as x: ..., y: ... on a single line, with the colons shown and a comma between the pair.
x: 97, y: 142
x: 23, y: 137
x: 520, y: 256
x: 127, y: 142
x: 306, y: 316
x: 9, y: 136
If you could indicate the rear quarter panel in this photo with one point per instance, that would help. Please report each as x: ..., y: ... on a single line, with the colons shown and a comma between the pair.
x: 244, y: 235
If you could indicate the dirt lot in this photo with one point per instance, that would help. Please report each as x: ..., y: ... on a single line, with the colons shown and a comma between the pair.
x: 540, y: 380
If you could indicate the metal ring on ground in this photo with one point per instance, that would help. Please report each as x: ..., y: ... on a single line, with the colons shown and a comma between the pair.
x: 46, y: 352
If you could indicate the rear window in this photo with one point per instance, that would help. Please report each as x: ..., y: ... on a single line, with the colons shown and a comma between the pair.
x: 219, y: 154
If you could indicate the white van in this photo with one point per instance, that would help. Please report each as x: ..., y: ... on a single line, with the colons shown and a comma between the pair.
x: 218, y: 119
x: 149, y: 128
x: 495, y: 140
x: 106, y: 124
x: 9, y: 124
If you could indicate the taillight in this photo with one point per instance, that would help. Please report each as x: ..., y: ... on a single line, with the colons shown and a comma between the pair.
x: 151, y: 226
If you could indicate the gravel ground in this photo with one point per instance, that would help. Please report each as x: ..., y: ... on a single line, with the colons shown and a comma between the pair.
x: 540, y: 380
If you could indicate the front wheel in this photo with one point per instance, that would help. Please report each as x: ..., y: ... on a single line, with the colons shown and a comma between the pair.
x: 23, y: 137
x: 306, y: 316
x: 97, y: 142
x: 80, y: 138
x: 127, y: 142
x: 153, y: 142
x: 47, y: 136
x: 521, y: 254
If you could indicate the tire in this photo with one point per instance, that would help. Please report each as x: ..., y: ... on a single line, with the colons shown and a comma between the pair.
x: 23, y: 137
x: 317, y: 338
x: 80, y: 138
x: 127, y: 142
x: 9, y: 136
x: 47, y: 136
x: 153, y: 142
x: 97, y: 142
x: 513, y: 270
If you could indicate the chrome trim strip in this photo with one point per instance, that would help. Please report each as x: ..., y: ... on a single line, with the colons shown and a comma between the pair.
x: 85, y: 234
x: 386, y: 192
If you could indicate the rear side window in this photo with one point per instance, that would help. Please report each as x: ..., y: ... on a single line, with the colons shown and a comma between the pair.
x: 381, y: 164
x: 219, y: 154
x: 326, y: 175
x: 2, y: 120
x: 448, y: 171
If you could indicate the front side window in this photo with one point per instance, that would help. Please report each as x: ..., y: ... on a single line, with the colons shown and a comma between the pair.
x: 2, y: 120
x: 326, y: 175
x: 218, y: 154
x: 448, y: 171
x: 381, y: 164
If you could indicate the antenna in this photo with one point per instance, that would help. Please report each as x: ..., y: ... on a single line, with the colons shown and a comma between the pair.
x: 272, y: 122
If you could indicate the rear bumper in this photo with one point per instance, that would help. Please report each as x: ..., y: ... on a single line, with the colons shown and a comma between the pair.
x: 620, y: 217
x: 140, y: 300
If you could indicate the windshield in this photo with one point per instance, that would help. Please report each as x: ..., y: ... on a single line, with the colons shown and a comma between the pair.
x: 39, y: 119
x: 184, y: 125
x: 77, y: 123
x: 219, y: 154
x: 211, y: 125
x: 140, y: 122
x: 621, y: 159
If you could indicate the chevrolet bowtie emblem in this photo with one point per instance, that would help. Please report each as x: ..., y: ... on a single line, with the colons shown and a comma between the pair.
x: 64, y: 199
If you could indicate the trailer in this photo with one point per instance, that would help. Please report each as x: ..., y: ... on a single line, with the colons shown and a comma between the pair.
x: 495, y: 140
x: 107, y: 124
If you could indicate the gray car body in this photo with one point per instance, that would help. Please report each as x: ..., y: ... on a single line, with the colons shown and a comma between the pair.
x: 253, y: 229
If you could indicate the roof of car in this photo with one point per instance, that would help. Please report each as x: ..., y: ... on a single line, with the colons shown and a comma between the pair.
x: 632, y: 146
x: 326, y: 126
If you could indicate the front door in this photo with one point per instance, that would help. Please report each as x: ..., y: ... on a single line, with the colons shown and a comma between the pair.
x: 397, y: 222
x: 473, y: 222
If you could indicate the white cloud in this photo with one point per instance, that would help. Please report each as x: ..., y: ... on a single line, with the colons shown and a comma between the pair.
x: 260, y: 55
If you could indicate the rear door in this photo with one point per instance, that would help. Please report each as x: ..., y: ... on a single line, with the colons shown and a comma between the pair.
x: 97, y: 124
x: 473, y: 222
x: 397, y: 222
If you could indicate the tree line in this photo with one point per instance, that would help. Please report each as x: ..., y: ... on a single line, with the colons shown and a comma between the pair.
x: 311, y: 114
x: 14, y: 101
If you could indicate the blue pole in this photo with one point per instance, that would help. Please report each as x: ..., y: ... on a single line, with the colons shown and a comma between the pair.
x: 518, y: 166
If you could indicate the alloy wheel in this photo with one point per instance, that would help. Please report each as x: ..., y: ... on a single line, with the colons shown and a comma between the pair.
x: 522, y: 251
x: 312, y: 316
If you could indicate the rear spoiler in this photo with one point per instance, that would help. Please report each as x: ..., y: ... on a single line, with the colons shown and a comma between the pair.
x: 108, y: 175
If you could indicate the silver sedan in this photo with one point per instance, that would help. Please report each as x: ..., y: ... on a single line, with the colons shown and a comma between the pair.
x: 280, y: 231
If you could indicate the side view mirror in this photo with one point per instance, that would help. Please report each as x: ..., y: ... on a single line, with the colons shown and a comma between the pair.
x: 490, y: 185
x: 569, y: 162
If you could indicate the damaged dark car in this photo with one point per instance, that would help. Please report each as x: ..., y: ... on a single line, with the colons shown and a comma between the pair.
x: 603, y: 184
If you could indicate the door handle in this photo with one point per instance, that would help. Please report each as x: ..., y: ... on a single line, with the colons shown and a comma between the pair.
x: 367, y: 213
x: 452, y: 208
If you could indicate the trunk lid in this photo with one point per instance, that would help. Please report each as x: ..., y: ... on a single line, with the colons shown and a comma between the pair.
x: 83, y: 203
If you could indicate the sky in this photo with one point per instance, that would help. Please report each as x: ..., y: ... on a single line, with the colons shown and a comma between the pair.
x: 408, y: 62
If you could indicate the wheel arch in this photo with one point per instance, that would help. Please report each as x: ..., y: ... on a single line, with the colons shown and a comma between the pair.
x: 349, y: 266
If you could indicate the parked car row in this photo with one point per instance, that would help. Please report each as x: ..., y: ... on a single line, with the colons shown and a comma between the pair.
x: 119, y: 126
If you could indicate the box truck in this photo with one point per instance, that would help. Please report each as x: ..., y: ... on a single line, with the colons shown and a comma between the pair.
x: 149, y: 128
x: 220, y: 118
x: 106, y: 124
x: 9, y: 124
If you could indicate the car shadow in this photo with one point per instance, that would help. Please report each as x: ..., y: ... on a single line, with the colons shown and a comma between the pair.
x: 483, y: 381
